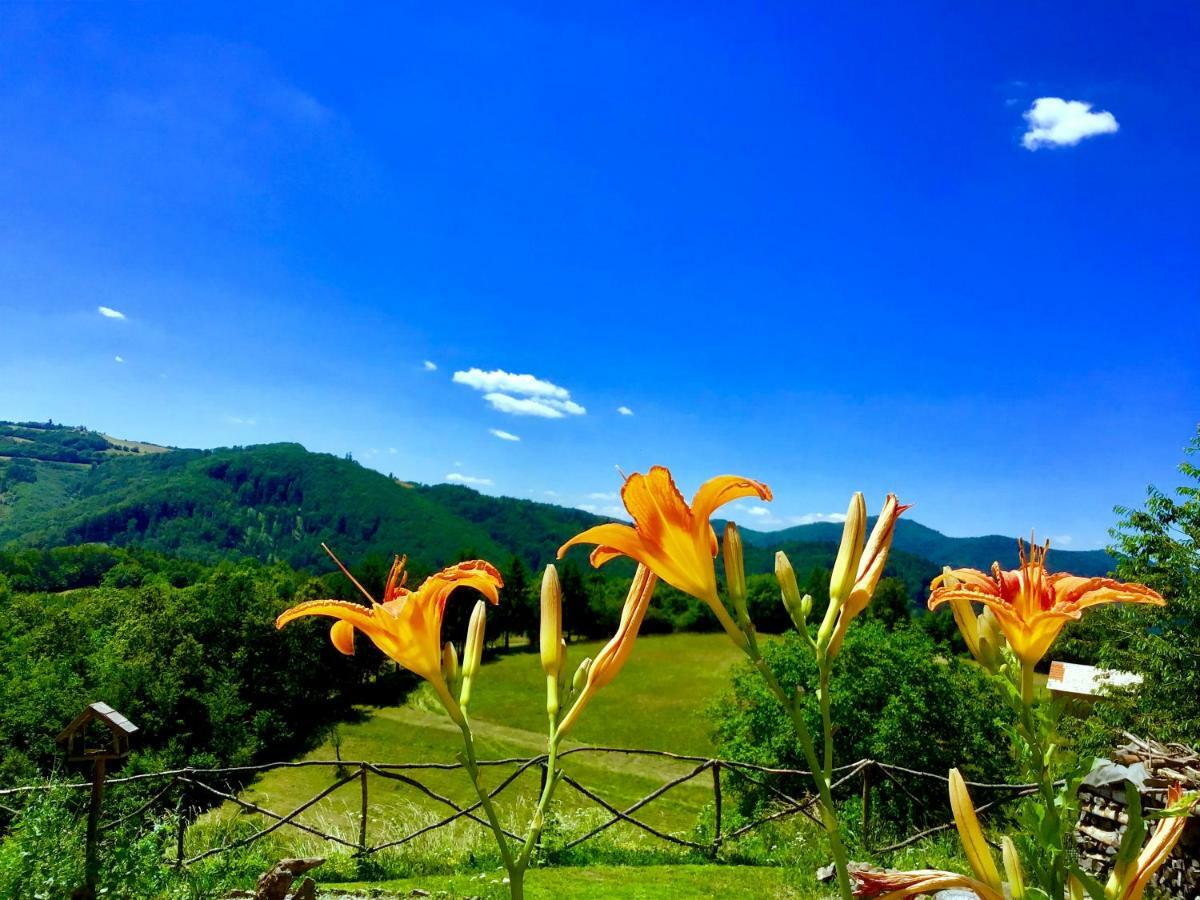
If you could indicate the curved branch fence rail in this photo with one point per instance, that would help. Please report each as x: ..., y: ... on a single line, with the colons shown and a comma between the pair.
x: 179, y: 783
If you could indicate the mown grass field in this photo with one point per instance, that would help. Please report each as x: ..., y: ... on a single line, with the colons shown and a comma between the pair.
x: 658, y: 702
x: 678, y: 882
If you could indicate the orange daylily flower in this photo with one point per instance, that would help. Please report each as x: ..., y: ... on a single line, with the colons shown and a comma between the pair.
x: 407, y: 625
x: 897, y: 885
x: 613, y: 656
x: 675, y: 541
x: 1031, y: 605
x: 1157, y: 849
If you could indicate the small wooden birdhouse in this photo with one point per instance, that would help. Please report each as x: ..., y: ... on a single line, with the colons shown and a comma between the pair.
x: 99, y: 732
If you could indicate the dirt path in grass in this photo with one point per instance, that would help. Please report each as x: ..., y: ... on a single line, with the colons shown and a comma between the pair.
x: 534, y: 743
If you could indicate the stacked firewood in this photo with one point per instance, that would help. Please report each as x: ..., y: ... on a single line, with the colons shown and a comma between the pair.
x: 1103, y: 814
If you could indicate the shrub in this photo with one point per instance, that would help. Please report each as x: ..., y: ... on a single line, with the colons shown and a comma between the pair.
x: 896, y: 699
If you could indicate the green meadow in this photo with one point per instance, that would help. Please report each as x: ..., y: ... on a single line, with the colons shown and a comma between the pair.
x: 659, y: 702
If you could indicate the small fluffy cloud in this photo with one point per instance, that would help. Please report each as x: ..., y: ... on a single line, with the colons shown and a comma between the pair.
x: 601, y: 495
x: 430, y: 365
x: 240, y: 420
x: 758, y: 511
x: 119, y: 359
x: 109, y: 313
x: 460, y: 478
x: 503, y: 435
x: 521, y: 395
x: 625, y: 410
x: 1055, y: 122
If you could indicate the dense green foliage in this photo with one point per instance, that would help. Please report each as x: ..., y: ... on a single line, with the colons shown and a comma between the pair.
x: 190, y: 654
x: 897, y: 698
x: 1157, y: 545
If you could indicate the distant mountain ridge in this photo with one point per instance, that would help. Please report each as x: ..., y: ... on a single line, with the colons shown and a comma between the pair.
x: 280, y: 501
x: 972, y: 552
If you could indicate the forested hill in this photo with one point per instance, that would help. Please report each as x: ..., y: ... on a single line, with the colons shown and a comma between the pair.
x: 921, y: 540
x: 279, y: 502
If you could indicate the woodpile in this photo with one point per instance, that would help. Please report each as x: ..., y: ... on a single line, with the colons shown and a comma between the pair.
x: 1103, y: 815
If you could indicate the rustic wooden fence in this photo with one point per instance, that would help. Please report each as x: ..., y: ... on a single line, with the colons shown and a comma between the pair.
x: 177, y: 784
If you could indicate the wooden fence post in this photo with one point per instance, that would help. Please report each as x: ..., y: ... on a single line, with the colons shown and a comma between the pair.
x: 92, y: 865
x: 716, y: 770
x: 362, y: 821
x: 181, y: 823
x: 866, y: 802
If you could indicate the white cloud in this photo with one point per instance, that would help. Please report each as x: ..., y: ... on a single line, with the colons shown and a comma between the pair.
x: 758, y: 511
x: 240, y: 420
x: 625, y: 410
x: 1055, y: 122
x: 550, y: 494
x: 430, y: 365
x: 392, y: 451
x: 545, y: 408
x: 504, y: 435
x: 813, y: 518
x: 1062, y: 540
x: 119, y: 359
x: 601, y: 495
x: 521, y: 395
x: 509, y: 383
x: 460, y: 478
x: 109, y: 313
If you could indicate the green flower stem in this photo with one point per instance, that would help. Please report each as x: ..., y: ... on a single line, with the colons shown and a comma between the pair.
x: 539, y: 815
x: 472, y: 765
x: 821, y: 774
x: 1045, y: 779
x: 514, y: 866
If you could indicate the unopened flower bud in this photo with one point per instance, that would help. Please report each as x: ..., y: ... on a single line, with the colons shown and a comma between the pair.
x: 735, y: 573
x: 472, y: 651
x: 991, y: 640
x: 450, y: 663
x: 786, y: 577
x: 551, y: 621
x: 845, y: 568
x: 581, y: 675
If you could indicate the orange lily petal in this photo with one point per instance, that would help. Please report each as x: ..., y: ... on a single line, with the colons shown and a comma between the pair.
x: 613, y: 655
x: 342, y: 636
x: 716, y: 492
x: 897, y: 885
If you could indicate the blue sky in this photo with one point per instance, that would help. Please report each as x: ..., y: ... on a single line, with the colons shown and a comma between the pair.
x: 833, y: 249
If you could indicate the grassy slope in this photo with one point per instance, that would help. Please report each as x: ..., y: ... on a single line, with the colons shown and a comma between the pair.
x: 657, y: 702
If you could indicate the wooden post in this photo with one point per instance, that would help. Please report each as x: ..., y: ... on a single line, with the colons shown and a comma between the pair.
x: 716, y: 770
x: 362, y: 821
x: 180, y: 825
x: 92, y: 869
x: 866, y: 803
